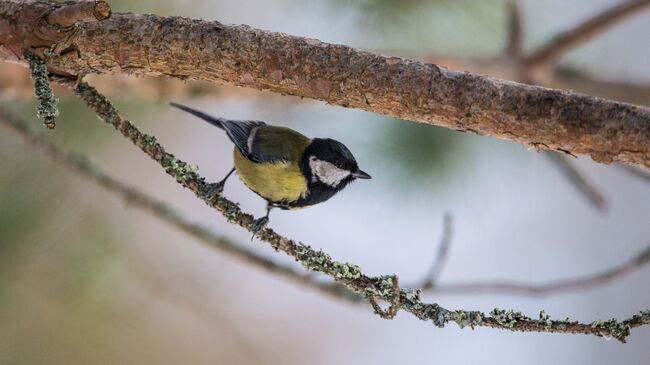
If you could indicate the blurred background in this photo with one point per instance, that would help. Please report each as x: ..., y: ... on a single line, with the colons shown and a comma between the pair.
x: 85, y: 278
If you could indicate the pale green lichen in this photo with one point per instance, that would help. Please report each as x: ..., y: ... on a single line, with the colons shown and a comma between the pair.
x: 321, y: 261
x: 613, y: 328
x: 150, y: 140
x: 383, y: 287
x: 466, y: 318
x: 508, y: 318
x: 545, y: 320
x: 48, y: 105
x: 313, y: 260
x: 182, y: 171
x: 346, y: 271
x: 429, y: 312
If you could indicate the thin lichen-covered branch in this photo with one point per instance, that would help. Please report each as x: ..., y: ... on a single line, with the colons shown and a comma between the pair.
x: 193, y: 49
x: 382, y: 287
x: 135, y: 198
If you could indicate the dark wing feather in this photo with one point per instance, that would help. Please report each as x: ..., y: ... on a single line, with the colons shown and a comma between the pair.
x: 237, y: 130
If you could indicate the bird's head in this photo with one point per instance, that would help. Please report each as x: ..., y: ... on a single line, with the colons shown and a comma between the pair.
x: 329, y: 162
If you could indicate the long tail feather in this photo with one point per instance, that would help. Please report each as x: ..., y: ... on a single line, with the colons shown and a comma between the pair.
x: 217, y: 122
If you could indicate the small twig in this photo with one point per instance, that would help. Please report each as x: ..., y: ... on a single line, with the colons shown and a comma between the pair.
x: 514, y: 44
x: 441, y: 257
x: 395, y: 304
x: 48, y: 105
x: 583, y: 32
x: 577, y: 179
x: 639, y: 260
x: 345, y: 273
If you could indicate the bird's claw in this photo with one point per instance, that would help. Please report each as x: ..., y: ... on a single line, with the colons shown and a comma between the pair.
x: 258, y: 225
x: 213, y: 188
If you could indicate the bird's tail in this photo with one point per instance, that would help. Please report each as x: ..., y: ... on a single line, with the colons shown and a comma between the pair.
x: 217, y: 122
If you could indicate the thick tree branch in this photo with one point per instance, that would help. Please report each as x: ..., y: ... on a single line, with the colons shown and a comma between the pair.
x: 152, y: 45
x: 348, y: 274
x: 583, y: 32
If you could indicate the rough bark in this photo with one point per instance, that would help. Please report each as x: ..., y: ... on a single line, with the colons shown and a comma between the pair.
x: 194, y: 49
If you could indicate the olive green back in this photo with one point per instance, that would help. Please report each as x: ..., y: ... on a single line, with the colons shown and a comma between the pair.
x: 276, y: 176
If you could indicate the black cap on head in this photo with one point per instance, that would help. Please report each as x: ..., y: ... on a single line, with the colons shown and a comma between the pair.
x: 335, y: 152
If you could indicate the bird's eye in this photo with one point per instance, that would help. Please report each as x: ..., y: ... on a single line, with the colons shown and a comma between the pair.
x: 339, y: 164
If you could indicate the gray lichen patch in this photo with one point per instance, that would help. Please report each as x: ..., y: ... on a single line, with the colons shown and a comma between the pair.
x: 466, y: 318
x: 429, y: 312
x: 346, y: 271
x: 545, y: 319
x: 613, y: 328
x: 182, y: 171
x: 508, y: 318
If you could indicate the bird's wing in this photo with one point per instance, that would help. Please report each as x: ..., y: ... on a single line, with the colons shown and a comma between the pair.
x: 241, y: 133
x: 273, y: 144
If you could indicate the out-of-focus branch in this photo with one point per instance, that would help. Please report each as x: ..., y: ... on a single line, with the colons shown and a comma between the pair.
x: 639, y: 260
x: 152, y: 45
x: 577, y: 179
x: 583, y: 32
x: 350, y: 275
x: 642, y: 174
x: 514, y: 45
x: 431, y: 278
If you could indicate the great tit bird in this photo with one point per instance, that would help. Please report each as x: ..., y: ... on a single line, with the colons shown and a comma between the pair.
x: 283, y: 166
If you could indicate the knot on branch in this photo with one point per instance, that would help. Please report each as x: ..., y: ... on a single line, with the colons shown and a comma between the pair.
x: 79, y: 12
x: 45, y: 26
x: 394, y: 293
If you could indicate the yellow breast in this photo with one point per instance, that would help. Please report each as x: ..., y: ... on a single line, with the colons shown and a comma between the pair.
x: 276, y: 182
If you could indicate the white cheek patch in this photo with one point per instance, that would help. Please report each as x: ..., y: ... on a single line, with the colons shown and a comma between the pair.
x: 326, y: 172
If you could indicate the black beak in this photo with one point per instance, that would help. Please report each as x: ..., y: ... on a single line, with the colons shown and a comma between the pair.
x: 360, y: 175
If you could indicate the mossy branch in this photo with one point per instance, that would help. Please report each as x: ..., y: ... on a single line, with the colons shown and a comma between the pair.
x: 48, y: 105
x: 348, y: 274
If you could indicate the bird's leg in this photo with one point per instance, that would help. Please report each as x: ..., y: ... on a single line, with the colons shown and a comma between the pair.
x: 260, y: 223
x: 217, y: 188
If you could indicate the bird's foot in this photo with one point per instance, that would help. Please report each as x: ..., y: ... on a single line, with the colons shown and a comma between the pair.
x: 259, y: 224
x: 213, y: 188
